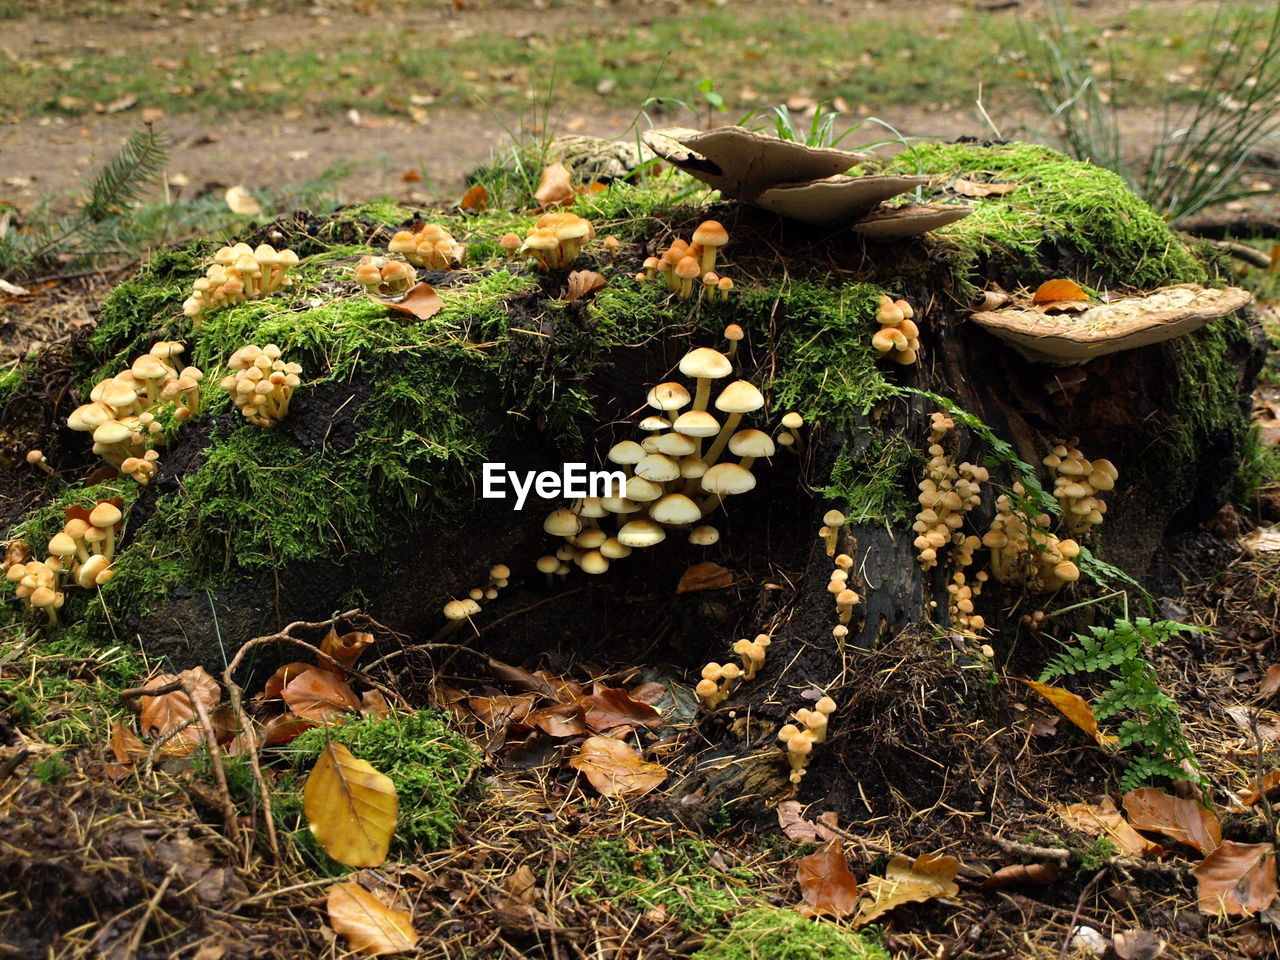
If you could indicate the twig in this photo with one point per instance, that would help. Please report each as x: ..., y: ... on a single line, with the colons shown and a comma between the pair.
x: 135, y: 939
x: 1059, y: 855
x: 1084, y: 894
x: 1241, y: 251
x: 234, y: 695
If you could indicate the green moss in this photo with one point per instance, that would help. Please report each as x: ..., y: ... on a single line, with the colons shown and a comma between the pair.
x: 11, y: 380
x: 1065, y: 217
x: 680, y: 878
x: 778, y: 934
x: 870, y: 484
x: 432, y: 767
x: 1206, y: 393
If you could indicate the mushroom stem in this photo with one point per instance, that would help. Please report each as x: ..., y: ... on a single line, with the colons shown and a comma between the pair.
x: 722, y: 438
x: 702, y: 394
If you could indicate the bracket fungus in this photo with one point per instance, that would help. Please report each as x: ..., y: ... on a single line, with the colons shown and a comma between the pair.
x: 262, y: 384
x: 430, y: 246
x: 556, y: 239
x: 670, y: 484
x: 123, y: 413
x: 898, y: 337
x: 239, y: 273
x: 1079, y: 336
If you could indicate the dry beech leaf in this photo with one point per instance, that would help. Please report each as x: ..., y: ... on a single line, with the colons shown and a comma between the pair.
x: 421, y: 301
x: 555, y: 187
x: 317, y: 694
x: 346, y: 649
x: 1268, y: 730
x: 797, y: 828
x: 905, y: 881
x: 475, y: 200
x: 976, y: 188
x: 374, y: 706
x: 1253, y: 793
x: 615, y: 769
x: 704, y: 576
x: 1053, y: 290
x: 583, y: 283
x: 1038, y: 873
x: 566, y: 691
x: 277, y: 681
x: 592, y: 188
x: 650, y: 692
x: 241, y: 201
x: 558, y: 720
x: 521, y: 886
x: 1075, y: 708
x: 1138, y: 945
x: 370, y: 927
x: 1179, y: 818
x: 1104, y: 820
x: 162, y: 714
x: 500, y: 711
x: 350, y: 807
x: 1270, y: 682
x: 611, y: 707
x: 540, y: 682
x: 284, y: 729
x: 127, y: 748
x: 827, y: 886
x: 1237, y: 879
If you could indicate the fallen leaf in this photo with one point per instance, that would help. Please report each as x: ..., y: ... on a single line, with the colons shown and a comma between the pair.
x: 346, y: 649
x: 496, y: 712
x: 704, y: 576
x: 370, y: 927
x: 1244, y: 716
x: 475, y: 200
x: 976, y: 188
x: 1104, y: 820
x: 558, y: 720
x: 826, y: 885
x: 12, y: 289
x: 1263, y: 540
x: 374, y: 706
x: 615, y: 769
x: 241, y: 201
x: 1075, y: 708
x: 350, y: 807
x: 1270, y: 682
x: 421, y: 301
x: 120, y: 104
x: 582, y: 283
x: 1037, y: 873
x: 317, y: 694
x: 1138, y: 945
x: 797, y: 828
x: 1237, y: 879
x: 1253, y: 794
x: 555, y: 186
x: 1053, y: 290
x: 1179, y: 818
x: 519, y: 677
x: 411, y: 176
x: 126, y: 746
x: 927, y: 878
x: 161, y: 715
x: 283, y: 729
x: 611, y: 707
x: 650, y: 692
x: 277, y: 681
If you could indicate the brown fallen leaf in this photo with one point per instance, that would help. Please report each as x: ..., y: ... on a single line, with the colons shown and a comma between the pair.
x: 615, y: 769
x: 558, y: 720
x: 127, y: 748
x: 1138, y: 945
x: 1252, y: 794
x: 370, y: 927
x: 1038, y: 873
x: 374, y: 706
x: 317, y: 694
x: 704, y: 576
x: 1237, y: 879
x: 1104, y: 820
x: 421, y: 301
x: 582, y: 283
x: 555, y: 187
x: 826, y: 885
x: 499, y: 711
x: 610, y: 707
x: 475, y: 200
x: 241, y: 201
x: 540, y: 682
x: 1179, y: 818
x: 1270, y: 682
x: 346, y: 649
x: 350, y: 807
x: 1268, y: 729
x: 1075, y: 708
x: 1053, y: 290
x: 976, y: 188
x: 161, y: 715
x: 650, y: 692
x: 283, y: 729
x: 797, y: 828
x: 928, y: 877
x: 277, y: 681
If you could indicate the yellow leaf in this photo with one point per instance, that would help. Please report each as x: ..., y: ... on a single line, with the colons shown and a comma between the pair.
x: 370, y: 927
x: 555, y: 187
x: 1052, y: 290
x: 241, y: 201
x: 1075, y: 708
x: 351, y: 808
x: 615, y: 769
x: 905, y: 881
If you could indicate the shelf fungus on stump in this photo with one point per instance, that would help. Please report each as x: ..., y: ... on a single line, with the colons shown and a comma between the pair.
x: 804, y: 183
x: 1078, y: 336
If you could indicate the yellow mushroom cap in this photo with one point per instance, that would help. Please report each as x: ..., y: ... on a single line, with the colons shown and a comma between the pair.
x: 675, y: 509
x: 641, y: 533
x: 669, y: 396
x: 706, y: 689
x: 705, y: 363
x: 696, y: 423
x: 711, y: 233
x: 562, y: 523
x: 739, y: 397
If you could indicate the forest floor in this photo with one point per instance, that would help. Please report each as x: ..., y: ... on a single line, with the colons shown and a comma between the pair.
x: 124, y: 866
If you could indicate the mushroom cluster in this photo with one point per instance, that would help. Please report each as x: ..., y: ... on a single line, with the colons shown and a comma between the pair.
x: 898, y: 337
x: 83, y: 551
x: 689, y: 267
x: 718, y: 679
x: 799, y: 741
x: 829, y: 532
x: 455, y: 611
x: 845, y: 596
x: 960, y: 594
x: 947, y: 493
x: 554, y: 240
x: 752, y: 653
x: 121, y: 414
x: 671, y: 482
x: 1077, y: 483
x: 430, y: 246
x: 384, y: 277
x: 239, y: 273
x: 1024, y: 551
x: 261, y: 384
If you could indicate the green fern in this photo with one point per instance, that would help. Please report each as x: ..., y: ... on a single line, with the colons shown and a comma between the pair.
x: 121, y: 183
x: 1151, y: 724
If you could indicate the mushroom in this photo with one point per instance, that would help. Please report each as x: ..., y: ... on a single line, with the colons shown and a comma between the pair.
x: 832, y: 521
x: 736, y: 399
x: 686, y: 272
x: 704, y: 364
x: 37, y: 459
x: 710, y: 235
